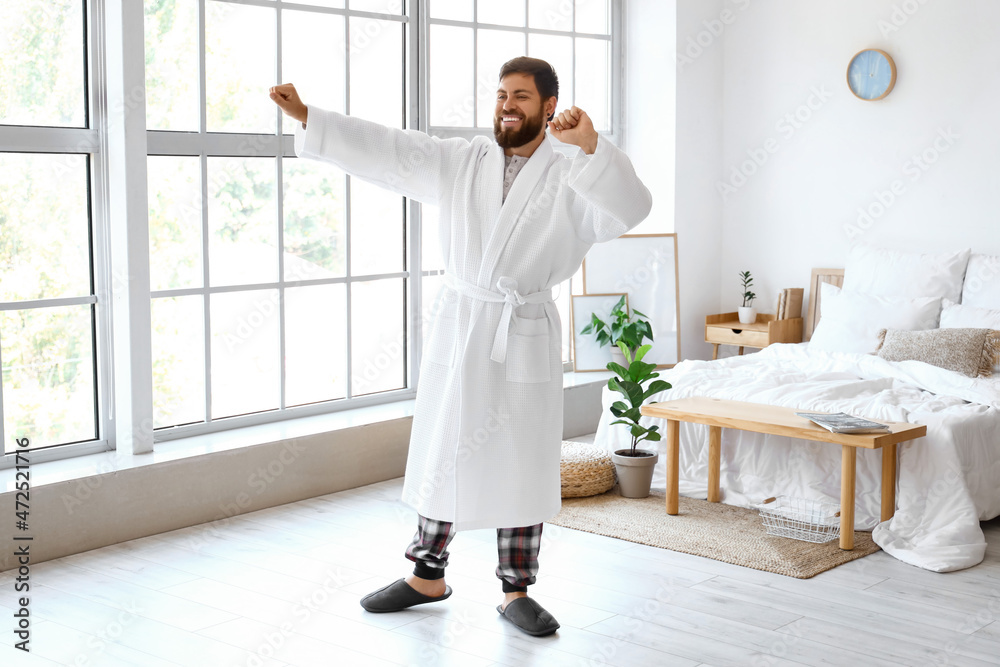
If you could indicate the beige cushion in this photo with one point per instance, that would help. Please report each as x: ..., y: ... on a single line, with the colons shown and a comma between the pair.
x: 967, y: 351
x: 964, y: 316
x: 585, y: 470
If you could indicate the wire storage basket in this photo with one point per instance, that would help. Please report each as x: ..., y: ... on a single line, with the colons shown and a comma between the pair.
x: 800, y: 519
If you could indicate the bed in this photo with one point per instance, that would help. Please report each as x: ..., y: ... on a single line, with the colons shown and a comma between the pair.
x: 948, y: 481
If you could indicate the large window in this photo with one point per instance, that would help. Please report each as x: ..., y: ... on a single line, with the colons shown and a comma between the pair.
x: 469, y: 40
x: 49, y: 345
x: 275, y: 283
x: 276, y: 287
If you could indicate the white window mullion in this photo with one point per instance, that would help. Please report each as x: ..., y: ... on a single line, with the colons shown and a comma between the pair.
x: 167, y: 142
x: 347, y: 217
x: 417, y: 120
x: 279, y: 192
x: 206, y: 302
x: 15, y: 138
x: 617, y: 75
x: 101, y: 241
x: 475, y: 65
x: 128, y: 229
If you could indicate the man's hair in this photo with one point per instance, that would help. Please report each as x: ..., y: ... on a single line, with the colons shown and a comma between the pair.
x: 545, y: 76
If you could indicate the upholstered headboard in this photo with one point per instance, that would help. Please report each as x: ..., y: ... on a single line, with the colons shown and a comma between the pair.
x: 819, y: 276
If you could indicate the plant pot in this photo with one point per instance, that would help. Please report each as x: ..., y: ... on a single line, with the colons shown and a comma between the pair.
x: 618, y: 356
x: 748, y: 314
x: 635, y: 473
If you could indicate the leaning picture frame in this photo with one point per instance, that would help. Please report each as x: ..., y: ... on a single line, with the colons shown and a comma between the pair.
x: 645, y: 267
x: 588, y: 355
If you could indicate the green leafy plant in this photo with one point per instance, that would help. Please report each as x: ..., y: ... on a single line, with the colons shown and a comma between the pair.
x: 747, y: 295
x: 630, y: 384
x: 622, y: 327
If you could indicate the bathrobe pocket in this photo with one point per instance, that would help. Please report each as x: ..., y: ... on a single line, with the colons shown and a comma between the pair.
x: 528, y: 351
x: 441, y: 345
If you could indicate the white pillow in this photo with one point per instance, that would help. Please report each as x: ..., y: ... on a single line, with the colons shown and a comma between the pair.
x: 885, y: 272
x: 982, y: 282
x: 850, y: 321
x: 961, y: 315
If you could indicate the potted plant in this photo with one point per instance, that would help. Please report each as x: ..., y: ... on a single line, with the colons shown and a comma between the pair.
x: 748, y: 314
x: 622, y: 327
x: 634, y: 466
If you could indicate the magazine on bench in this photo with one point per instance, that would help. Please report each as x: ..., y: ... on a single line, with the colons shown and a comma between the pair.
x: 841, y: 422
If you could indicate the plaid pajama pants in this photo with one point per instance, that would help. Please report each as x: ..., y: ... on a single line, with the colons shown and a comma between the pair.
x: 517, y: 549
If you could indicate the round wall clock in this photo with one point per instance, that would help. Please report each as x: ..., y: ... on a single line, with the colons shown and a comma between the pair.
x: 871, y: 74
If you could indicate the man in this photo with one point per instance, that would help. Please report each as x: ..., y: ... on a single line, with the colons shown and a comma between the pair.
x: 516, y: 218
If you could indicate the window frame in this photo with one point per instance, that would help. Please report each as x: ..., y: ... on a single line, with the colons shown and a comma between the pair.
x: 90, y: 142
x: 614, y: 38
x: 616, y: 94
x: 204, y: 144
x: 118, y: 145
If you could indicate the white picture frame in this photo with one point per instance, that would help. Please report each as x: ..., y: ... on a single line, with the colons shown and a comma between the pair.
x: 644, y: 266
x: 588, y: 355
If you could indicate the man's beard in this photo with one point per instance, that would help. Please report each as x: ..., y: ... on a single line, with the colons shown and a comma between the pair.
x: 528, y: 132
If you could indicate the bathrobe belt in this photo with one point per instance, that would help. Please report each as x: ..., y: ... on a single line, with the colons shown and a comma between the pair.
x: 507, y: 294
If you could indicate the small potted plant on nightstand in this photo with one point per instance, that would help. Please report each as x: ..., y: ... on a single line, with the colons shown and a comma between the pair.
x: 635, y: 466
x: 748, y: 314
x: 622, y: 327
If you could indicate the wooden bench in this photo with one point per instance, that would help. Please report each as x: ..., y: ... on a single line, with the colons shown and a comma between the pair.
x: 774, y: 420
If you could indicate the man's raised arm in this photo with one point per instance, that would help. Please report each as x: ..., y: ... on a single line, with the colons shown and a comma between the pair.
x: 406, y: 162
x: 615, y: 198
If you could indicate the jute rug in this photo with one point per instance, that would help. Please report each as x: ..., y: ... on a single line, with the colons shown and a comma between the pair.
x: 714, y: 530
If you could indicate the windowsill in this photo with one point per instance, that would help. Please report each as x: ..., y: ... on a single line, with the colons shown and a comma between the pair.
x: 81, y: 467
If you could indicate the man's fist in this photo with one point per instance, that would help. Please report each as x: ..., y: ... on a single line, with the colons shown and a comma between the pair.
x: 573, y: 126
x: 287, y: 98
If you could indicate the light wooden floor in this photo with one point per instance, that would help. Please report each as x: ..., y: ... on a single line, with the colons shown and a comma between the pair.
x: 281, y: 587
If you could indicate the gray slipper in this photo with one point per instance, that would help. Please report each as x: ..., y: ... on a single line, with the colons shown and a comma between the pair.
x: 529, y: 616
x: 398, y: 596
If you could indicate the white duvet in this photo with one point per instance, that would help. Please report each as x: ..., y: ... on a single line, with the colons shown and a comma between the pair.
x: 948, y: 480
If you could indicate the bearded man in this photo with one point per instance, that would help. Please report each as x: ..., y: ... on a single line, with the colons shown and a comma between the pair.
x: 516, y: 218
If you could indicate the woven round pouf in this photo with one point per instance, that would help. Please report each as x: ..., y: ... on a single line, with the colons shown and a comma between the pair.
x: 585, y: 470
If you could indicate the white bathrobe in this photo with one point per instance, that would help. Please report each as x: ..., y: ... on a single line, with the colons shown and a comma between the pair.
x: 487, y: 424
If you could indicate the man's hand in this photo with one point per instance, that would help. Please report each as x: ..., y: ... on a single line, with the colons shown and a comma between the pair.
x: 287, y: 98
x: 574, y: 126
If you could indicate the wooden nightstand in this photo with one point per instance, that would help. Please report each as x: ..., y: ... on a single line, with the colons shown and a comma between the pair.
x: 726, y: 329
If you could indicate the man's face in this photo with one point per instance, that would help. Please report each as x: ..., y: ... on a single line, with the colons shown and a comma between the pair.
x: 520, y: 114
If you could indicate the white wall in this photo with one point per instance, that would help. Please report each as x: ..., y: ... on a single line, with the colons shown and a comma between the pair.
x: 649, y: 105
x: 766, y: 59
x: 680, y: 106
x: 800, y: 209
